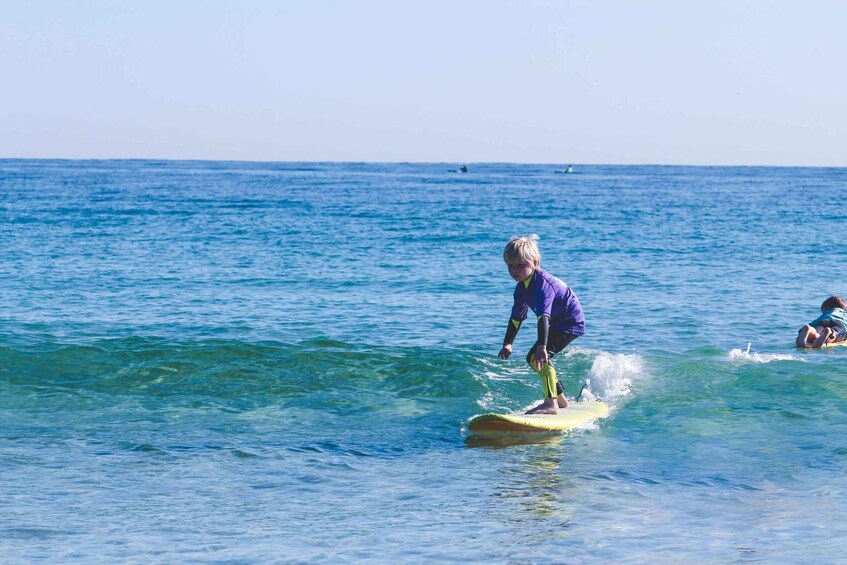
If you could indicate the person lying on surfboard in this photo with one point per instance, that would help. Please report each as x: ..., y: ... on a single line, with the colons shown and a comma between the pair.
x: 830, y: 327
x: 560, y: 318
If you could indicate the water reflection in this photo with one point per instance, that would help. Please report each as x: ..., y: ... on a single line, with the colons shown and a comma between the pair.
x: 532, y: 491
x: 501, y: 440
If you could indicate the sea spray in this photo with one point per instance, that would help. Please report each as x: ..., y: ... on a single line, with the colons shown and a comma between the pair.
x: 611, y: 374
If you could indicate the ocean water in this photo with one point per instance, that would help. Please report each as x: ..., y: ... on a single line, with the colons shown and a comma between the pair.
x: 275, y: 363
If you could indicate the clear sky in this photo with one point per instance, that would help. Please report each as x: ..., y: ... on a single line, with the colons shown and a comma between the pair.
x: 723, y: 82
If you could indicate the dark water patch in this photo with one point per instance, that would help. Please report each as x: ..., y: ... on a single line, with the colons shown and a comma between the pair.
x: 145, y: 448
x: 242, y: 454
x: 35, y: 533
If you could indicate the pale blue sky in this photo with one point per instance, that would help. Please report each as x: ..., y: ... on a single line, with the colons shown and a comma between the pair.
x: 654, y: 82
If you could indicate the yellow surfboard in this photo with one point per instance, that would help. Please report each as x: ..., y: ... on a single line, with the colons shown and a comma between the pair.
x: 825, y: 345
x: 577, y: 413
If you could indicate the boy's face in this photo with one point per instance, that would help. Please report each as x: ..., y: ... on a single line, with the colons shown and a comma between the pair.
x: 520, y: 271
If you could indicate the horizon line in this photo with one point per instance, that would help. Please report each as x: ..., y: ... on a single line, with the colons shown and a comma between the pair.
x: 448, y: 163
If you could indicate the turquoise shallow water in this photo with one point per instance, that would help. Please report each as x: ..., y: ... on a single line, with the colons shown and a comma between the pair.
x: 275, y: 362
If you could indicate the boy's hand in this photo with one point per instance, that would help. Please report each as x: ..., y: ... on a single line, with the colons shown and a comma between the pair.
x: 541, y: 357
x: 505, y: 352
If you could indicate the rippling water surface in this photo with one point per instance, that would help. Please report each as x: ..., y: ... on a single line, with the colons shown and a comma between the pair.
x: 275, y: 362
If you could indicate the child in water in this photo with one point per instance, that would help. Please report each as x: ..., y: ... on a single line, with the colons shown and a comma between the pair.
x: 829, y: 327
x: 560, y: 318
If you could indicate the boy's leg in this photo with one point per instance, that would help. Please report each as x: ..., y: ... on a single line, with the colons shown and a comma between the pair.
x: 806, y: 336
x: 556, y: 342
x: 548, y: 385
x: 825, y: 334
x: 553, y: 388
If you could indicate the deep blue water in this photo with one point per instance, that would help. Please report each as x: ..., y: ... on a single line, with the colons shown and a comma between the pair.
x: 275, y: 362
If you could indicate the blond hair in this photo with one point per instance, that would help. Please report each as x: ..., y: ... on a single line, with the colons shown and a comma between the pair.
x: 522, y: 249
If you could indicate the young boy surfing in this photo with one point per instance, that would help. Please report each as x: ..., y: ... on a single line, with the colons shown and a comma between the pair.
x: 560, y: 318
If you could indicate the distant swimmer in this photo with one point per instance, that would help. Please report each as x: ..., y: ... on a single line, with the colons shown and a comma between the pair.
x: 464, y: 169
x: 569, y: 169
x: 827, y: 329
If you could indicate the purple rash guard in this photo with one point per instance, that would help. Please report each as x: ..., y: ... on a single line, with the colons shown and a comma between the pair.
x: 548, y: 295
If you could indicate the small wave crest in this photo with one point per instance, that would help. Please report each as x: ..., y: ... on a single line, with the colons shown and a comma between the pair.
x: 331, y: 377
x: 738, y: 354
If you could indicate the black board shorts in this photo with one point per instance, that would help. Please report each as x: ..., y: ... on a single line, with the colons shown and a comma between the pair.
x: 556, y: 341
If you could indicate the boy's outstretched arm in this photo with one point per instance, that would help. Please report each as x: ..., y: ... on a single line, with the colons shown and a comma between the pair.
x: 511, y: 332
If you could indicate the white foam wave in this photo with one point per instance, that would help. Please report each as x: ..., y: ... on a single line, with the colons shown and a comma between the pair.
x: 761, y: 357
x: 611, y: 375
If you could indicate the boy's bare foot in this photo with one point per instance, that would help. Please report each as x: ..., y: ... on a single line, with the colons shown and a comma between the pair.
x: 562, y: 401
x: 547, y: 407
